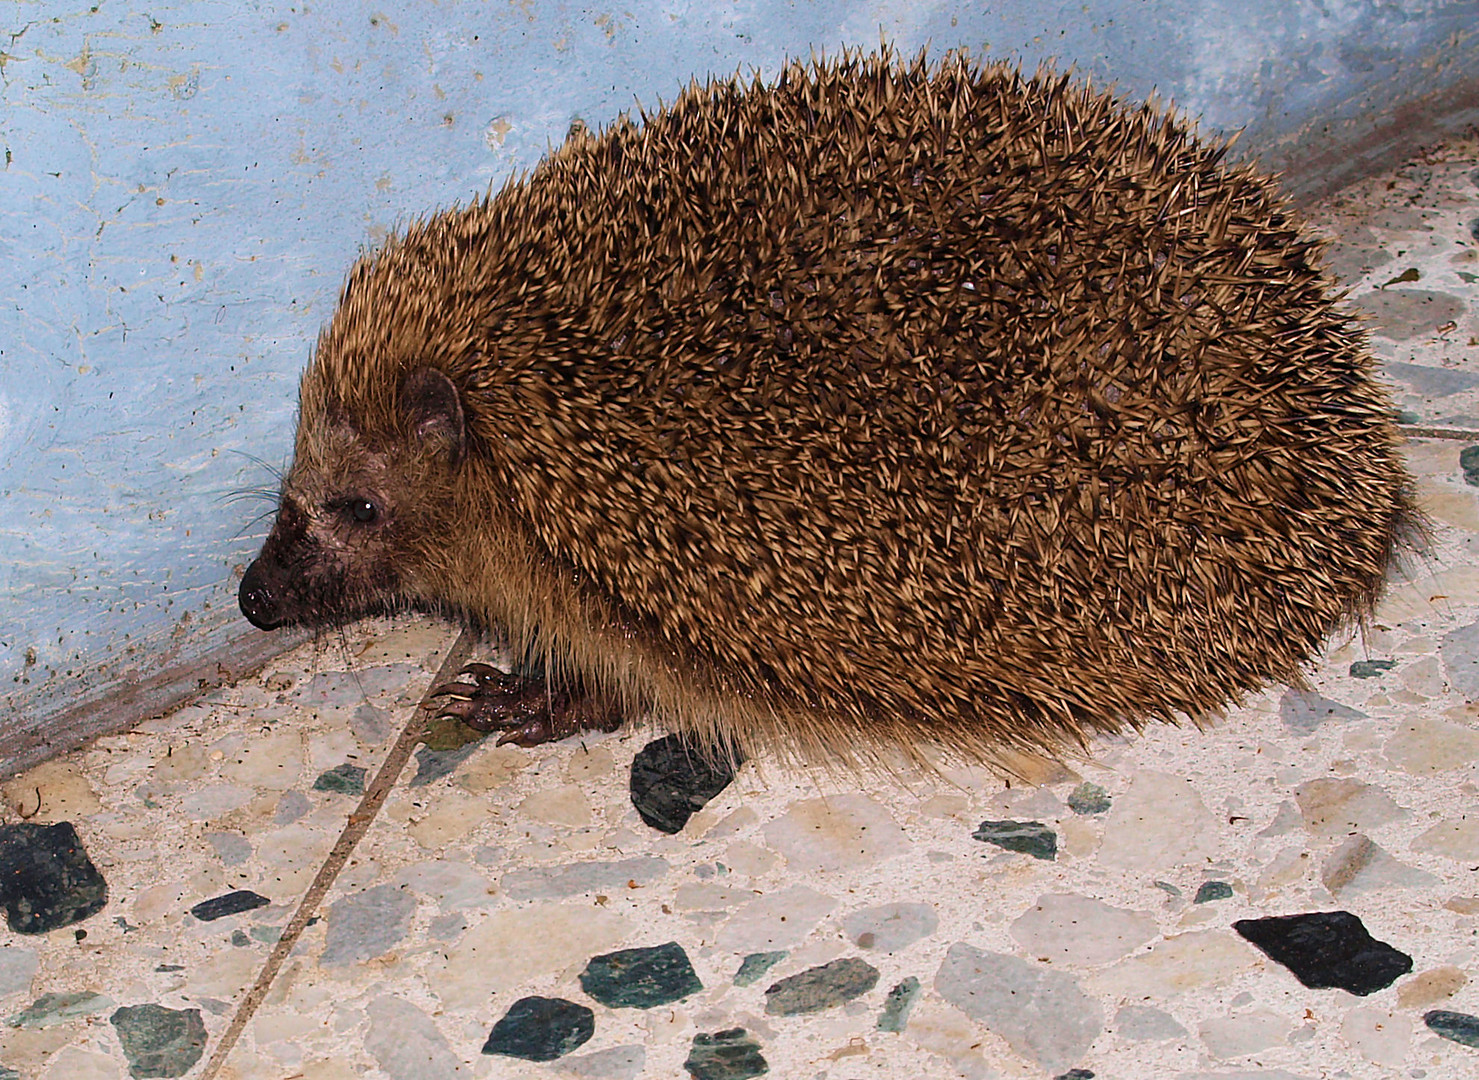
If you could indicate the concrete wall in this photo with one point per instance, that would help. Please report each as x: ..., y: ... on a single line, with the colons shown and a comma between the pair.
x: 184, y: 184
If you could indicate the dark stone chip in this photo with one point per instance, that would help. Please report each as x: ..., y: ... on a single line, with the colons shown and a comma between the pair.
x: 756, y: 965
x: 898, y: 1005
x: 1370, y: 669
x: 821, y: 987
x: 1468, y: 461
x: 1212, y: 890
x: 1028, y: 837
x: 159, y: 1041
x: 232, y: 903
x: 1075, y: 1074
x: 54, y: 1008
x: 46, y: 879
x: 725, y: 1055
x: 541, y: 1029
x: 1455, y: 1026
x: 640, y: 978
x: 343, y: 779
x: 435, y: 764
x: 673, y: 777
x: 1089, y: 798
x: 1327, y: 949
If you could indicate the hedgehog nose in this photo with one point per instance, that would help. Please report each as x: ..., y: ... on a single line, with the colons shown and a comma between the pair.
x: 257, y: 601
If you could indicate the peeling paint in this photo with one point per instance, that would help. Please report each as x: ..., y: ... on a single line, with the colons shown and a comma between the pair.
x: 497, y: 130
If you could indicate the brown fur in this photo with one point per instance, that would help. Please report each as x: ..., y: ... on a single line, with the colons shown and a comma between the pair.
x: 889, y: 404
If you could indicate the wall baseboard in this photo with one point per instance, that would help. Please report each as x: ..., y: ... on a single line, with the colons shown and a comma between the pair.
x: 25, y: 742
x: 1329, y: 154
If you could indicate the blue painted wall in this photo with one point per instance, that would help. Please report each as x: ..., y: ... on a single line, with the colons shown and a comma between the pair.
x: 184, y: 185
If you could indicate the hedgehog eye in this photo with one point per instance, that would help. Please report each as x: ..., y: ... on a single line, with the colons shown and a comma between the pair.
x: 362, y: 510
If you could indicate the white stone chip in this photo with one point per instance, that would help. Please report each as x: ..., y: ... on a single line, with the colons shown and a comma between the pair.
x: 777, y: 921
x: 836, y: 833
x: 1336, y: 806
x: 1156, y: 824
x: 1072, y: 929
x: 1176, y: 964
x: 1454, y: 838
x: 406, y: 1043
x: 1377, y: 1035
x: 1238, y: 1036
x: 1044, y: 1014
x: 1424, y: 746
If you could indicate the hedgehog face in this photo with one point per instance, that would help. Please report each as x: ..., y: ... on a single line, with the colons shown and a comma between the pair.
x: 353, y: 509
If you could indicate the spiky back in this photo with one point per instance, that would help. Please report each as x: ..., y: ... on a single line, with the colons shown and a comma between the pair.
x: 936, y: 399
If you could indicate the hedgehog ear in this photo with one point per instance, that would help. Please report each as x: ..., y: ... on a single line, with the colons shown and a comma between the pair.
x: 433, y: 411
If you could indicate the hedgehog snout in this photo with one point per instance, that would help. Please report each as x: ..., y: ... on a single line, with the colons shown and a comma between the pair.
x: 259, y: 597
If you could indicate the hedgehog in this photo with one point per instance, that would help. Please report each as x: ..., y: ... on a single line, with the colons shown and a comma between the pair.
x: 884, y: 405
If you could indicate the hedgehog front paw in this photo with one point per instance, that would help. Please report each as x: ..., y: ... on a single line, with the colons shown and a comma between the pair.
x: 485, y: 699
x: 525, y: 710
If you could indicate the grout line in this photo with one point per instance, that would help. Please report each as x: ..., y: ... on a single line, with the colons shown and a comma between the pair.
x: 1418, y: 431
x: 354, y: 830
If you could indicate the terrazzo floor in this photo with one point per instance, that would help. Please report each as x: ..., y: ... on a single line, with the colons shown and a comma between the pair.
x: 1098, y: 922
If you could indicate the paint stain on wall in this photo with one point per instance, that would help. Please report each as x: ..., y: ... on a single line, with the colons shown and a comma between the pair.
x: 497, y: 130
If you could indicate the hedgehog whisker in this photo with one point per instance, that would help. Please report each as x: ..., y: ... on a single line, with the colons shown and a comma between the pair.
x: 244, y: 494
x: 252, y: 524
x: 277, y: 472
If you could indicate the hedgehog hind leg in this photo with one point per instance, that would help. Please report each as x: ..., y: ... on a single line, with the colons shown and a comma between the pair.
x: 528, y: 711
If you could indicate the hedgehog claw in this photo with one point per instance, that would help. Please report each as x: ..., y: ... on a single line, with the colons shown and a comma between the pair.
x: 541, y: 729
x: 525, y: 711
x: 483, y: 676
x: 486, y: 674
x: 486, y: 680
x: 492, y: 705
